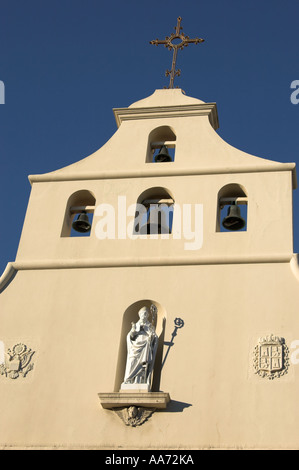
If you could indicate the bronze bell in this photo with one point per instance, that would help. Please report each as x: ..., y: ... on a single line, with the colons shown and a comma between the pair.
x: 82, y: 223
x: 163, y: 155
x: 155, y: 223
x: 233, y: 220
x: 153, y: 229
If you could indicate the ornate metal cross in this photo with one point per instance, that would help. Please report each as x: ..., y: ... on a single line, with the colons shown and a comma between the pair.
x: 174, y: 42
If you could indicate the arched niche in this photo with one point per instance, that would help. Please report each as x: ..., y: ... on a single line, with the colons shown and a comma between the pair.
x: 232, y: 193
x: 80, y: 201
x: 156, y: 192
x: 154, y: 212
x: 131, y: 315
x: 162, y: 135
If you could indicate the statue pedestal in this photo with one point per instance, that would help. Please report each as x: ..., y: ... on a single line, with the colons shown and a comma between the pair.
x: 135, y: 387
x: 137, y: 398
x: 134, y: 407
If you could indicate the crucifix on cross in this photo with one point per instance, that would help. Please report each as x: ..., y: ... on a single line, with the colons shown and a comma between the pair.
x: 174, y: 42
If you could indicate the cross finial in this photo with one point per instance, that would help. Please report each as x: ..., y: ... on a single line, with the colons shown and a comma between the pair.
x: 174, y: 42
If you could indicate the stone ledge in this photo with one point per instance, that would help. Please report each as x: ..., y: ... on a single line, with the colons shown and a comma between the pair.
x: 173, y: 111
x: 157, y: 400
x: 160, y: 170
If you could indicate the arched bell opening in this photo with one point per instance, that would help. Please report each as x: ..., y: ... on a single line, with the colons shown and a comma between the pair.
x: 232, y: 208
x: 154, y: 212
x: 161, y: 145
x: 79, y: 214
x: 131, y: 315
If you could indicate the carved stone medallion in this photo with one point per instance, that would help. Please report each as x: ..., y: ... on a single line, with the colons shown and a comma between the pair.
x: 271, y: 357
x: 17, y: 362
x: 133, y: 415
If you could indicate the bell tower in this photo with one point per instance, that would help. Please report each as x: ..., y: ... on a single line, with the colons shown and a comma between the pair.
x: 169, y: 243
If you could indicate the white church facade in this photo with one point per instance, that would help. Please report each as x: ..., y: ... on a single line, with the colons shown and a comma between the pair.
x: 153, y: 302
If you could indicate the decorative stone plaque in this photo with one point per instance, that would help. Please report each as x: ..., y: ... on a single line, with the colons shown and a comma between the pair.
x: 17, y: 362
x: 271, y: 357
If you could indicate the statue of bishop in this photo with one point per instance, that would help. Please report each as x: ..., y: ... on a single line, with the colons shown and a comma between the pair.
x: 142, y: 342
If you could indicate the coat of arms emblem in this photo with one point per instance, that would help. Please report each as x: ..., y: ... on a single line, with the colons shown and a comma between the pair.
x: 271, y: 357
x: 17, y: 362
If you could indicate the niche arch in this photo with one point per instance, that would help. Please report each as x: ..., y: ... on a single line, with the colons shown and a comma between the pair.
x: 79, y: 202
x: 232, y: 193
x: 131, y: 315
x: 162, y: 135
x: 154, y: 212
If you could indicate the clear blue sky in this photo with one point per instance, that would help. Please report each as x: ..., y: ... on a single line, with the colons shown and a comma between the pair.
x: 66, y: 63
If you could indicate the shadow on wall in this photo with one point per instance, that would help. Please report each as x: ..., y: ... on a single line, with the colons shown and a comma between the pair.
x: 176, y: 407
x: 178, y: 324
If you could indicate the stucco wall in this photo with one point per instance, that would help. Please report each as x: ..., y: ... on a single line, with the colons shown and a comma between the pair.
x: 73, y: 320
